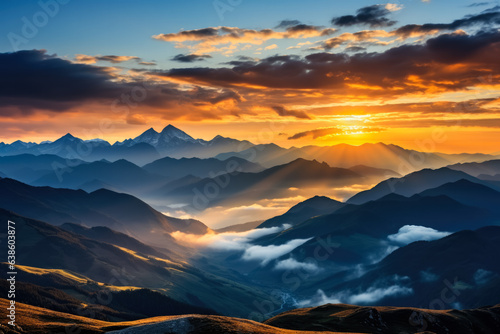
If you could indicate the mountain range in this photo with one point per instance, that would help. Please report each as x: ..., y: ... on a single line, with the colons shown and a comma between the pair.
x: 244, y: 188
x: 175, y: 143
x: 414, y: 183
x: 464, y: 265
x: 421, y: 235
x: 145, y: 148
x: 80, y: 262
x: 379, y: 155
x: 354, y: 238
x: 118, y: 211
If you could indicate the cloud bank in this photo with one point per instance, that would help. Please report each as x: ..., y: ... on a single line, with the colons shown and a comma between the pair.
x: 390, y: 287
x: 265, y: 254
x: 242, y: 241
x: 411, y: 233
x: 226, y: 240
x: 292, y: 264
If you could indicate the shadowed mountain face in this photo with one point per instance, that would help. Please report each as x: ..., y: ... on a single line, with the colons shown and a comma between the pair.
x: 491, y: 167
x: 388, y: 214
x: 176, y: 168
x: 347, y: 241
x: 275, y: 182
x: 390, y: 320
x: 358, y: 236
x: 94, y: 299
x: 412, y: 184
x: 29, y: 167
x: 121, y: 212
x: 468, y: 193
x: 189, y: 183
x: 457, y: 271
x: 105, y: 234
x: 54, y: 254
x: 316, y: 206
x: 121, y: 175
x: 48, y: 246
x: 377, y: 155
x: 361, y: 235
x: 240, y: 227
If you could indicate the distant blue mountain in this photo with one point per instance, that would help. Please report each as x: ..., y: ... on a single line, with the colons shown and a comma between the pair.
x: 412, y: 184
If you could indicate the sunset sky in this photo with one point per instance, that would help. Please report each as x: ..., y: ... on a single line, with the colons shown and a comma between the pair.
x: 419, y: 74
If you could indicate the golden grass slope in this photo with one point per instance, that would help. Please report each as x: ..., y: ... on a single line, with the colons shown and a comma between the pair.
x: 36, y: 320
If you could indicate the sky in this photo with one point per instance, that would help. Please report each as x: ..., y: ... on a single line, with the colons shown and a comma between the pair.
x: 419, y: 74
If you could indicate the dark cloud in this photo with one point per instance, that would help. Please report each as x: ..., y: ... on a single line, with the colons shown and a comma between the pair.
x: 31, y: 80
x: 36, y: 75
x: 390, y: 72
x: 323, y: 132
x: 423, y: 109
x: 147, y: 63
x: 275, y: 71
x: 487, y: 18
x: 116, y: 59
x: 209, y: 95
x: 330, y: 43
x: 210, y: 39
x: 282, y: 111
x: 492, y: 9
x: 305, y: 28
x: 197, y: 33
x: 212, y: 34
x: 247, y: 58
x: 109, y: 58
x: 373, y: 16
x: 365, y: 37
x: 355, y: 49
x: 317, y: 133
x: 190, y: 58
x: 242, y: 60
x: 475, y: 106
x: 479, y: 4
x: 287, y: 23
x: 135, y: 119
x: 493, y: 123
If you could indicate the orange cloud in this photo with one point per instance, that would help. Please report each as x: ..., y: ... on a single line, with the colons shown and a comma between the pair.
x: 212, y: 39
x: 86, y: 59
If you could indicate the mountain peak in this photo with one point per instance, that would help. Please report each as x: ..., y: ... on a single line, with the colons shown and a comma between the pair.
x: 147, y: 136
x: 150, y: 131
x: 167, y: 137
x: 67, y: 137
x: 172, y: 131
x: 302, y: 161
x: 169, y: 128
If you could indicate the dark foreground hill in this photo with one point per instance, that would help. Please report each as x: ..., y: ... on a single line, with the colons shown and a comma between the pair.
x: 339, y: 318
x: 121, y: 212
x: 390, y: 320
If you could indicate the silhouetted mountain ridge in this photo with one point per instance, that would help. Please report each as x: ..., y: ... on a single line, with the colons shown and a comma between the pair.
x: 121, y: 212
x: 316, y: 206
x: 412, y: 184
